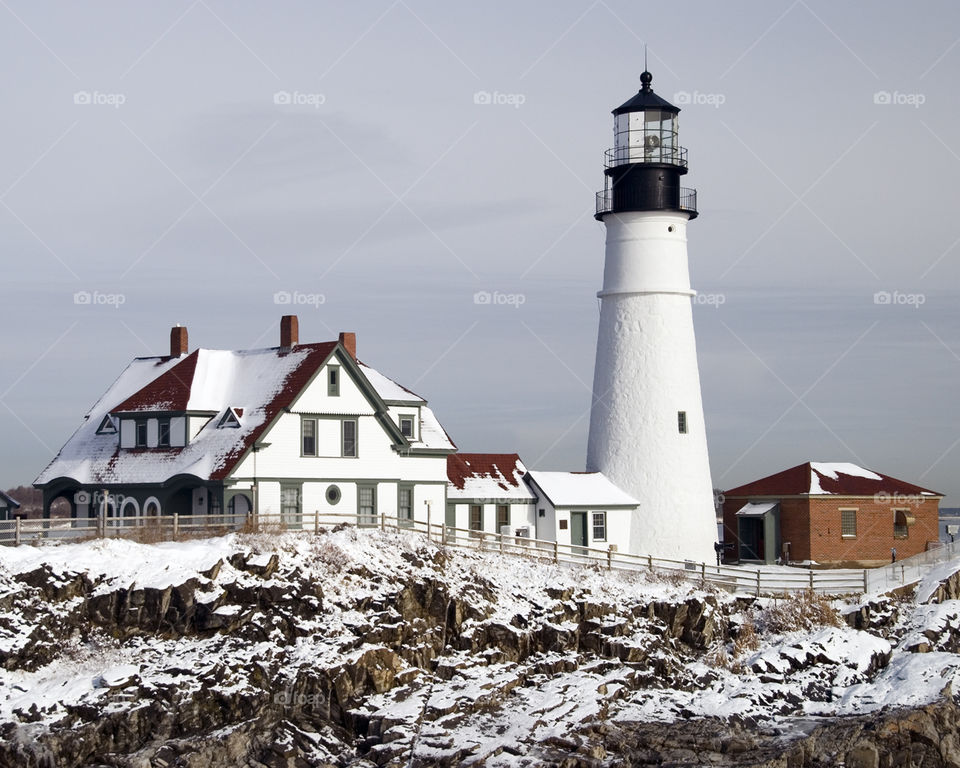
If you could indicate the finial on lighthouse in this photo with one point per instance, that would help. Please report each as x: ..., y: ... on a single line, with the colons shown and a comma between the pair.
x: 646, y: 78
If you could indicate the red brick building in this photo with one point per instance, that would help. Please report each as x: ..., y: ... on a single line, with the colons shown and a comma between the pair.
x: 833, y: 514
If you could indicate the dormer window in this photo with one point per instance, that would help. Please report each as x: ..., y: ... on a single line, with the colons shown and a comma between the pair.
x: 107, y: 426
x: 141, y: 433
x: 406, y: 427
x: 163, y: 432
x: 229, y: 420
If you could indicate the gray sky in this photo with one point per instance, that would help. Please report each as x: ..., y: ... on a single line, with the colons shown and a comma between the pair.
x: 822, y: 141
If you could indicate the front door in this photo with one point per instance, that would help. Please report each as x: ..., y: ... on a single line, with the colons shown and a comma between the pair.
x: 751, y: 538
x: 578, y: 531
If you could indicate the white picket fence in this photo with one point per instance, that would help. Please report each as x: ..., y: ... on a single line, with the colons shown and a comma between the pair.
x: 758, y: 580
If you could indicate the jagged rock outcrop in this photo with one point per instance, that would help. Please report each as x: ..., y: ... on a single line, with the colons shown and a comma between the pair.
x: 378, y: 649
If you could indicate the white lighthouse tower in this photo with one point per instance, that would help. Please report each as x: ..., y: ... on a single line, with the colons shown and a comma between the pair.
x: 646, y: 423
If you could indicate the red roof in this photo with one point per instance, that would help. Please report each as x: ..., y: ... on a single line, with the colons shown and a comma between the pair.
x: 170, y: 391
x: 836, y: 479
x: 504, y: 468
x: 292, y: 386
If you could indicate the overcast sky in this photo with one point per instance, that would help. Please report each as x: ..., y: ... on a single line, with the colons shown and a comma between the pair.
x: 147, y: 162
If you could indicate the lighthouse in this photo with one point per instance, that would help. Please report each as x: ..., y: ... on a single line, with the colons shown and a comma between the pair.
x: 647, y: 432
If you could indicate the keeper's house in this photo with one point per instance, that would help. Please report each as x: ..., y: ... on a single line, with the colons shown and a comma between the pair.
x: 285, y: 430
x: 829, y: 514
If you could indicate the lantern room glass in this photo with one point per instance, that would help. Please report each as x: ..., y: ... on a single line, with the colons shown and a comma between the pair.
x: 648, y: 136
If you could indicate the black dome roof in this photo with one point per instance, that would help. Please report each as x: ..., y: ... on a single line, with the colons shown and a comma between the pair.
x: 646, y: 99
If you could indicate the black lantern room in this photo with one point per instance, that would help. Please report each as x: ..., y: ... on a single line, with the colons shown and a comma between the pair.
x: 644, y: 167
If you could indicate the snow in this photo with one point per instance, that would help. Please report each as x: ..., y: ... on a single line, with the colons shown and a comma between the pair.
x: 493, y: 485
x: 222, y: 379
x: 832, y: 470
x: 246, y: 381
x: 581, y: 489
x: 755, y: 510
x: 825, y: 672
x: 388, y: 389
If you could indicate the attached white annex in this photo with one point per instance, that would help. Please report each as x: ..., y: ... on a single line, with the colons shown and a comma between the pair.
x: 292, y: 430
x: 487, y: 493
x: 583, y: 509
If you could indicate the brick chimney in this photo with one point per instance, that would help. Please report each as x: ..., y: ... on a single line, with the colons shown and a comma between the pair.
x: 178, y: 341
x: 289, y: 331
x: 349, y: 343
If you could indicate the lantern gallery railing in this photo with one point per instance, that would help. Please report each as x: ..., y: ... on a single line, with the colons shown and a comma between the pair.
x: 688, y: 200
x: 648, y: 152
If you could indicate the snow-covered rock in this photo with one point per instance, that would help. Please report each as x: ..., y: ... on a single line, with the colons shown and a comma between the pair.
x: 364, y: 647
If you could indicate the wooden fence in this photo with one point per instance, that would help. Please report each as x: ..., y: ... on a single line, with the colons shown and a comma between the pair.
x: 758, y: 580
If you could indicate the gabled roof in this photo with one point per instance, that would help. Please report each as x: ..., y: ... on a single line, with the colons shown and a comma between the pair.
x: 9, y: 501
x: 580, y: 489
x: 817, y: 478
x: 261, y: 382
x: 487, y: 476
x: 388, y: 389
x: 254, y: 385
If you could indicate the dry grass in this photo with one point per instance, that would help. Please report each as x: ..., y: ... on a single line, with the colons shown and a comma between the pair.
x: 800, y: 611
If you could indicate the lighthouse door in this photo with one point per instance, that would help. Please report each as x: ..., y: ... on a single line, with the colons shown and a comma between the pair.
x: 578, y: 531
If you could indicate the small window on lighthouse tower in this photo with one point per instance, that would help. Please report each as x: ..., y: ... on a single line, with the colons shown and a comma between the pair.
x: 682, y: 422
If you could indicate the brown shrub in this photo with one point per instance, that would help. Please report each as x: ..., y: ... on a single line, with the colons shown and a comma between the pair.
x: 800, y: 611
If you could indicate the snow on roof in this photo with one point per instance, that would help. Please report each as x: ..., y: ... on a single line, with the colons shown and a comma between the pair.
x: 10, y: 501
x: 581, y: 489
x: 387, y: 388
x: 256, y: 384
x: 487, y: 476
x: 432, y: 434
x: 756, y: 510
x: 260, y: 382
x: 828, y: 478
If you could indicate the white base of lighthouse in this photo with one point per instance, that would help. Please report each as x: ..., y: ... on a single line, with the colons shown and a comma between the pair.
x: 646, y: 375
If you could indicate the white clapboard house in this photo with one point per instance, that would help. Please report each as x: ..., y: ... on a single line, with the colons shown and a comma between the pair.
x: 495, y: 493
x: 303, y: 428
x: 290, y: 429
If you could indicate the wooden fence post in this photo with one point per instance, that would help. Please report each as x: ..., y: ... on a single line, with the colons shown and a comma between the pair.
x: 703, y: 571
x: 428, y: 521
x: 383, y: 521
x: 758, y: 582
x: 866, y: 582
x: 316, y: 522
x: 176, y: 525
x: 556, y: 552
x: 650, y: 562
x: 811, y: 579
x: 609, y: 559
x: 19, y: 526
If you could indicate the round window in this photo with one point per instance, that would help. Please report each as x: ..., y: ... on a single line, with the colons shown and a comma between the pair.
x: 333, y: 494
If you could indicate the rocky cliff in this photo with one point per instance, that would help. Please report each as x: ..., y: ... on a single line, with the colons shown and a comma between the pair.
x: 367, y: 648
